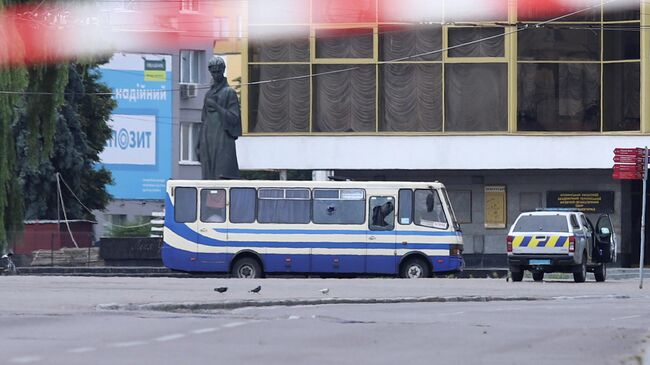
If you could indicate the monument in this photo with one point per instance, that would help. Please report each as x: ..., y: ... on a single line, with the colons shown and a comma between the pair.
x: 220, y: 128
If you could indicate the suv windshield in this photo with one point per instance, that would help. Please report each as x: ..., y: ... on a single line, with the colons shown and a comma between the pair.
x: 541, y: 223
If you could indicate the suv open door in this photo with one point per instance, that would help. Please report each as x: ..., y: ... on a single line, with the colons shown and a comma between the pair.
x: 605, y: 240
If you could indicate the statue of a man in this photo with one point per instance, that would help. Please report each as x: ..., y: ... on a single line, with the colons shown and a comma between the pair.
x: 220, y: 128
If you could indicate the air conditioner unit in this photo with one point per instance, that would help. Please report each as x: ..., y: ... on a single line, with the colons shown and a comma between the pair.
x: 188, y: 91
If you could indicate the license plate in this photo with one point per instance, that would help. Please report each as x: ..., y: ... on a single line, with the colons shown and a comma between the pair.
x: 539, y: 262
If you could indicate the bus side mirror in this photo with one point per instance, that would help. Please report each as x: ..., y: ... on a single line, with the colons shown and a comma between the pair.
x: 604, y: 231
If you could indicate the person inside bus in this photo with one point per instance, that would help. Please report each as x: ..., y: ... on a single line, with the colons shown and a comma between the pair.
x: 381, y: 215
x: 213, y: 209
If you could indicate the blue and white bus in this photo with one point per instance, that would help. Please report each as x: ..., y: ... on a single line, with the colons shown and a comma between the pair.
x: 250, y: 228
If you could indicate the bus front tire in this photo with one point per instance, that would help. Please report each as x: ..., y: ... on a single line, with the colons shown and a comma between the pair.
x: 415, y: 268
x: 247, y: 268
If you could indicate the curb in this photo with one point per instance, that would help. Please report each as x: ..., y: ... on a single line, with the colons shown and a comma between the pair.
x: 193, y: 307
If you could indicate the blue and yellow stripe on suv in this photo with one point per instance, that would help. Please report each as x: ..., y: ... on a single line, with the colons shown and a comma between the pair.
x: 540, y: 241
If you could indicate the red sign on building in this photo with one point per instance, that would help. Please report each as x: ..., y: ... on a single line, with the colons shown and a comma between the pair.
x: 631, y: 163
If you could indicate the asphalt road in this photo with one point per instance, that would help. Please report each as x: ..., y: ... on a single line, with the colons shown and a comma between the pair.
x: 56, y: 321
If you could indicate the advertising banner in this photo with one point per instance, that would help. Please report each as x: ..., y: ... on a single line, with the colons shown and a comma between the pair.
x: 139, y: 152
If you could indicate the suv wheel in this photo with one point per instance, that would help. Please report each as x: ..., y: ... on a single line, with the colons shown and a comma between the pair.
x: 538, y: 275
x: 581, y: 275
x: 517, y: 276
x: 600, y: 272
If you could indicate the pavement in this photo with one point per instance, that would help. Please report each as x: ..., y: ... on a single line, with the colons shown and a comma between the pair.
x: 157, y: 271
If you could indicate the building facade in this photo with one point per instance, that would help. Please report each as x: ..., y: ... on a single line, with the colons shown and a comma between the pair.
x: 511, y: 112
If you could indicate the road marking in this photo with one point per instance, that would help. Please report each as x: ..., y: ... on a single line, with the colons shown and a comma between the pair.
x: 233, y: 324
x: 204, y: 330
x: 127, y: 344
x: 626, y: 317
x: 294, y: 317
x: 170, y: 337
x: 25, y: 359
x: 81, y: 350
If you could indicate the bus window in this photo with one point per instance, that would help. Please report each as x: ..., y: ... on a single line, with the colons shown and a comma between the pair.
x: 278, y: 205
x: 428, y: 209
x: 185, y: 205
x: 339, y: 206
x: 382, y: 213
x: 405, y: 206
x: 242, y: 205
x: 213, y: 205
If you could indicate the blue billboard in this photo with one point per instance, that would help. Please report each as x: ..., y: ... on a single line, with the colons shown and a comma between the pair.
x: 139, y: 154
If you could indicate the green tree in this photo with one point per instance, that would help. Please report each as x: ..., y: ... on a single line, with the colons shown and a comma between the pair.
x: 80, y: 135
x: 13, y: 79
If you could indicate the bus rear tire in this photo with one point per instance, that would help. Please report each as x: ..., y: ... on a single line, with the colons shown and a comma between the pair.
x: 415, y: 268
x: 246, y: 268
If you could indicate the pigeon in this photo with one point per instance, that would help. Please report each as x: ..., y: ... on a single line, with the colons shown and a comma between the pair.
x: 221, y: 289
x: 325, y: 290
x: 256, y: 290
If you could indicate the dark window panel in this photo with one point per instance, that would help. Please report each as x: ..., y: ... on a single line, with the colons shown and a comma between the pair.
x: 397, y: 43
x: 285, y: 44
x: 621, y: 97
x: 344, y: 98
x: 622, y: 42
x: 344, y: 43
x: 411, y: 98
x: 279, y: 106
x: 476, y: 97
x: 558, y: 97
x: 476, y: 42
x: 185, y: 204
x: 242, y: 205
x: 558, y: 43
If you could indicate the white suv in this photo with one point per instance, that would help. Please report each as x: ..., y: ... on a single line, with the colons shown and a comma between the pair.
x: 557, y: 240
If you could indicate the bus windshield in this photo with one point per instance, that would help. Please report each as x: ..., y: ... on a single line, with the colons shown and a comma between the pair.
x: 451, y: 211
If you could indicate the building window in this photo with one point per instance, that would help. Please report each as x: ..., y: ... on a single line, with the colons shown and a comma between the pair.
x: 476, y: 97
x: 344, y: 98
x: 559, y: 97
x: 191, y: 62
x: 281, y: 106
x: 476, y: 42
x: 344, y: 43
x: 190, y: 5
x: 189, y: 138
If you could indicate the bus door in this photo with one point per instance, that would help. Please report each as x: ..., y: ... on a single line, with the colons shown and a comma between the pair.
x: 213, y: 231
x: 380, y: 237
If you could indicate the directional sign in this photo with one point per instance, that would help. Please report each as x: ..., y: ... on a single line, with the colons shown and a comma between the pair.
x: 640, y: 152
x: 627, y: 175
x: 628, y: 168
x: 629, y: 159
